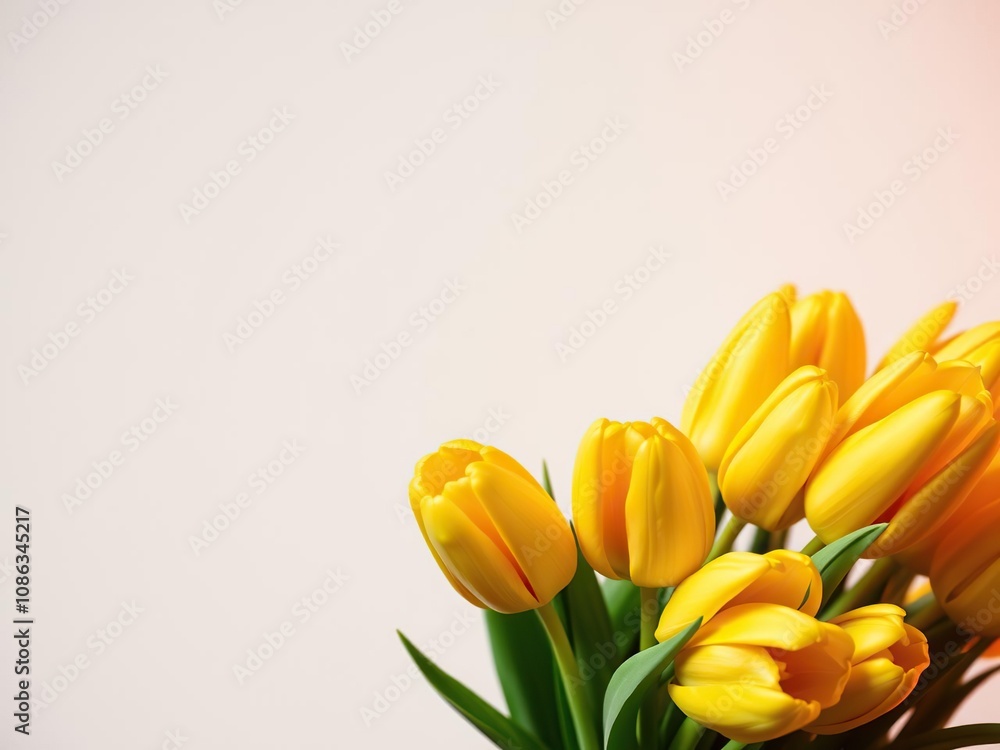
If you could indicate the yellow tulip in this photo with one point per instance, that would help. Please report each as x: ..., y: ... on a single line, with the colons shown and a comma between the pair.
x: 760, y: 671
x: 889, y: 656
x: 747, y: 367
x: 923, y: 335
x: 780, y: 577
x: 767, y: 464
x: 987, y: 359
x: 642, y: 506
x: 965, y: 572
x: 907, y: 448
x: 498, y: 537
x: 827, y: 332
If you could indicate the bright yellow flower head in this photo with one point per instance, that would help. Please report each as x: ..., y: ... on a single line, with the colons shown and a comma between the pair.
x: 642, y: 506
x: 827, y: 332
x: 767, y: 464
x: 965, y: 572
x: 498, y: 537
x: 779, y: 577
x: 906, y: 449
x: 747, y: 367
x: 965, y: 343
x: 889, y: 656
x: 760, y: 671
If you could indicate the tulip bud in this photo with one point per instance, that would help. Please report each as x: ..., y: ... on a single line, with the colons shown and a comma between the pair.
x: 827, y: 332
x: 747, y: 367
x: 642, y: 506
x: 907, y: 448
x: 889, y: 656
x: 756, y: 671
x: 766, y: 466
x: 965, y: 571
x: 923, y: 335
x: 782, y: 577
x: 497, y: 536
x: 960, y: 346
x: 987, y: 359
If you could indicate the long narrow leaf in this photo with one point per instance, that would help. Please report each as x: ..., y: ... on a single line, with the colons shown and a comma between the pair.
x: 630, y: 684
x: 946, y: 739
x: 498, y: 728
x: 836, y: 560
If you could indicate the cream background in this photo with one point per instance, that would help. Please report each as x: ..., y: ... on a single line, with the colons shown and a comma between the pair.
x: 338, y: 506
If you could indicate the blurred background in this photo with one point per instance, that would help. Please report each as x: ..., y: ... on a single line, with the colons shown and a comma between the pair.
x: 257, y: 258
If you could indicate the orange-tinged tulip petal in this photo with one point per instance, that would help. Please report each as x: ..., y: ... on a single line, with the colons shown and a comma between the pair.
x: 827, y: 332
x: 750, y: 363
x: 889, y: 656
x: 864, y: 475
x: 770, y: 459
x: 923, y: 335
x: 736, y: 578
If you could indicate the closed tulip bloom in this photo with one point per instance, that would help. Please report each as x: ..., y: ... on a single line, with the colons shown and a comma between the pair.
x: 746, y: 368
x: 962, y: 345
x: 498, y: 537
x: 987, y: 359
x: 906, y: 449
x: 760, y: 671
x: 924, y: 334
x: 642, y: 506
x: 965, y: 572
x: 782, y: 577
x: 766, y: 466
x: 827, y: 332
x: 889, y: 656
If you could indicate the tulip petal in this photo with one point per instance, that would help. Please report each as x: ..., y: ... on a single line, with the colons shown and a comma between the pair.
x: 745, y: 713
x: 791, y: 581
x: 866, y: 473
x: 708, y: 590
x: 874, y: 687
x: 670, y: 520
x: 713, y: 665
x: 874, y: 628
x: 923, y: 334
x: 532, y: 526
x: 588, y: 515
x: 964, y: 343
x: 474, y: 559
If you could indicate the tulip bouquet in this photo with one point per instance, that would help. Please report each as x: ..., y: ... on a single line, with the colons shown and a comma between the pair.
x: 641, y: 626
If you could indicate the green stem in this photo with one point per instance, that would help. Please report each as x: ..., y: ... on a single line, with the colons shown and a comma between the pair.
x: 734, y: 745
x: 688, y: 735
x: 866, y: 591
x: 720, y: 504
x: 649, y: 617
x: 579, y: 704
x: 898, y: 586
x: 814, y: 546
x: 727, y: 536
x: 761, y: 541
x: 930, y: 615
x: 777, y: 540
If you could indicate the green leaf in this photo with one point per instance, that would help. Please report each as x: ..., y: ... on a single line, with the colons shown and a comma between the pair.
x: 624, y: 607
x: 944, y: 703
x: 630, y: 684
x: 946, y: 739
x: 836, y: 560
x: 528, y: 675
x: 498, y: 728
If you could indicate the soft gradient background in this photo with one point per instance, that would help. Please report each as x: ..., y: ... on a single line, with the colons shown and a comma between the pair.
x: 487, y: 365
